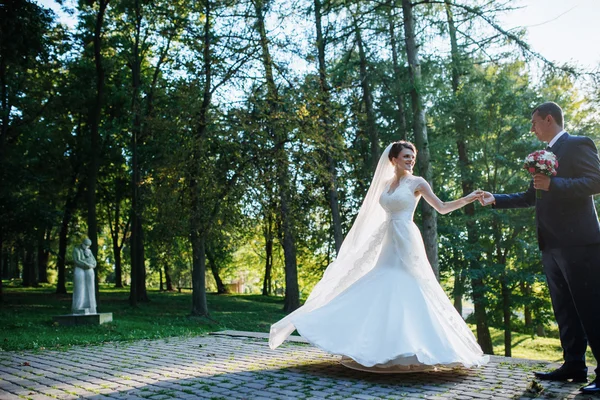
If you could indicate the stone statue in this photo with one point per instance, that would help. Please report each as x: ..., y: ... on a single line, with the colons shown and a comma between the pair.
x: 84, y: 294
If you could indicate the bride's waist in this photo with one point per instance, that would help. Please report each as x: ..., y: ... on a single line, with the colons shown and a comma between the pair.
x: 400, y: 215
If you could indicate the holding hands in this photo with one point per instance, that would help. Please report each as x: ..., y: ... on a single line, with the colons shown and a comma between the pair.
x: 540, y: 182
x: 486, y: 199
x: 475, y: 195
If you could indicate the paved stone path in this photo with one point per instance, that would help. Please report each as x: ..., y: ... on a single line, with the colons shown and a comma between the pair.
x: 241, y: 367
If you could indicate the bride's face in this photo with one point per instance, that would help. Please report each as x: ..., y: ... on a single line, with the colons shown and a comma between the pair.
x: 405, y: 161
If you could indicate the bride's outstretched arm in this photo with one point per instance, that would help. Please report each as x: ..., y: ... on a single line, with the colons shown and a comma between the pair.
x: 444, y: 207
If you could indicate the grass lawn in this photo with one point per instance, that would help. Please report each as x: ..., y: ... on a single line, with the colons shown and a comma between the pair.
x: 26, y: 317
x: 26, y: 320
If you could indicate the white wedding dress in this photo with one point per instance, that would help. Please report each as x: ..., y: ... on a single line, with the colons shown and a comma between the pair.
x: 395, y: 317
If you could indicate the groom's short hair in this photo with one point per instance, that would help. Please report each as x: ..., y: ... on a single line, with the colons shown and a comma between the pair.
x: 550, y: 108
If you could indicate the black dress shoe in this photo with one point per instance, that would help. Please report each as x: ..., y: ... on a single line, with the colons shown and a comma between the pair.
x: 592, y: 388
x: 564, y: 373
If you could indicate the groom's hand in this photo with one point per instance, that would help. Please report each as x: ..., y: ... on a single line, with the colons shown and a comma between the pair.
x: 541, y: 181
x: 486, y: 199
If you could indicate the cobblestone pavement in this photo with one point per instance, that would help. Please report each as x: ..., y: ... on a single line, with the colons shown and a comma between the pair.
x: 240, y: 367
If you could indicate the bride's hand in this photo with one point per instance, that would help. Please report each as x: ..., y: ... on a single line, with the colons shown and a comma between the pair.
x: 475, y: 195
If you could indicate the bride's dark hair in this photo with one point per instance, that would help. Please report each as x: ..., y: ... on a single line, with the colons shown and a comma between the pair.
x: 398, y: 146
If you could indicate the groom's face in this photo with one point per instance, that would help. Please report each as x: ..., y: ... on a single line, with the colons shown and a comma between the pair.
x: 541, y: 127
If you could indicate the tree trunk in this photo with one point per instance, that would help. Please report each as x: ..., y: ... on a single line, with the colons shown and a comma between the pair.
x: 199, y: 302
x: 138, y: 264
x: 459, y: 290
x: 16, y: 258
x: 483, y: 331
x: 70, y: 205
x: 4, y: 113
x: 29, y: 270
x: 397, y: 79
x: 268, y: 233
x: 420, y: 131
x: 42, y: 260
x: 95, y: 147
x: 6, y: 266
x: 168, y: 281
x: 371, y: 126
x: 118, y: 265
x: 221, y: 289
x: 466, y: 173
x: 506, y: 304
x: 115, y: 234
x: 331, y: 186
x: 526, y: 291
x: 198, y: 229
x: 292, y: 292
x: 2, y: 266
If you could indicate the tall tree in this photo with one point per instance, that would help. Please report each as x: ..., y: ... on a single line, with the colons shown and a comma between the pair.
x: 138, y: 264
x: 466, y: 174
x: 95, y: 114
x: 367, y: 95
x: 396, y: 86
x: 429, y: 217
x: 329, y: 134
x: 279, y: 135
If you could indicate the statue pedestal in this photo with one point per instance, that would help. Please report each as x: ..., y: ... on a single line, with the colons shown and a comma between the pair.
x: 83, y: 319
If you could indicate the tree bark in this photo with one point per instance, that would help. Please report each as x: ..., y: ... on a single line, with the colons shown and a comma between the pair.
x: 371, y: 126
x: 212, y: 264
x: 466, y: 173
x: 2, y: 266
x: 118, y: 238
x: 168, y: 281
x: 292, y: 292
x: 4, y: 113
x: 399, y: 96
x: 526, y: 291
x: 43, y: 254
x: 29, y: 270
x: 199, y: 302
x: 429, y: 217
x: 95, y: 148
x: 138, y: 264
x: 458, y: 290
x: 70, y: 204
x: 331, y: 185
x: 198, y: 229
x: 506, y: 305
x: 117, y: 256
x: 268, y: 234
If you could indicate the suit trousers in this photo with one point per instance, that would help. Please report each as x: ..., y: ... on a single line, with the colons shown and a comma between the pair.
x: 573, y: 275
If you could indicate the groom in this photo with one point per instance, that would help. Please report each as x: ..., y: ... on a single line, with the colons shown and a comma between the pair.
x: 569, y: 238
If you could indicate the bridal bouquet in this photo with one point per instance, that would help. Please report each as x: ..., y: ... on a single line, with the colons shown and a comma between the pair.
x: 541, y: 162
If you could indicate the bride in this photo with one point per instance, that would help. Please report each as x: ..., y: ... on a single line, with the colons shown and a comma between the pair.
x: 379, y: 304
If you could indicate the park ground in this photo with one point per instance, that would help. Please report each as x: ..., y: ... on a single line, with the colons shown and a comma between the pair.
x: 156, y: 351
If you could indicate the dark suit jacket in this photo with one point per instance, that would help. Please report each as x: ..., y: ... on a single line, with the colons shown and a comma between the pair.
x: 565, y: 215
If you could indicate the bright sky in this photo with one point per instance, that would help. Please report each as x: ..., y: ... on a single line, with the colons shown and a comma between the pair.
x: 560, y: 30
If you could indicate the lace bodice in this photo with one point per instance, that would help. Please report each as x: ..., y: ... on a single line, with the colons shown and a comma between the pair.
x: 401, y: 203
